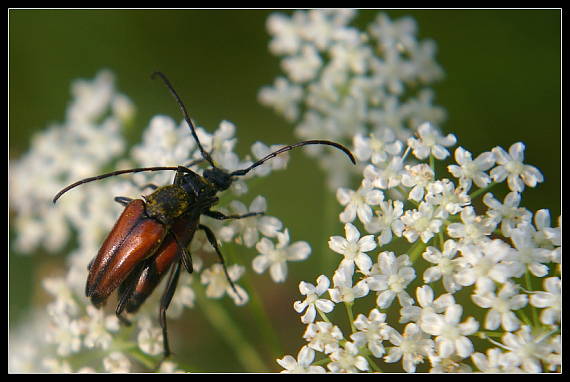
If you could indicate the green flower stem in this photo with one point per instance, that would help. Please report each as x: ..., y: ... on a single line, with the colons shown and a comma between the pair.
x: 257, y: 309
x: 372, y: 363
x: 259, y: 314
x: 327, y: 259
x: 230, y: 332
x: 323, y: 315
x: 348, y: 306
x: 416, y: 250
x: 480, y: 191
x: 534, y: 312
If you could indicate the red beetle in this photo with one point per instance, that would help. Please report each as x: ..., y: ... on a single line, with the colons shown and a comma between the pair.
x: 152, y: 234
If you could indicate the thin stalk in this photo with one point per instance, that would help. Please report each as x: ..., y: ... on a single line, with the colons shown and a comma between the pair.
x: 220, y: 319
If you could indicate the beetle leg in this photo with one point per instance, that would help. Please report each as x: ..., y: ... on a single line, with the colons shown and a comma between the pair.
x: 126, y: 290
x: 197, y: 161
x: 220, y: 216
x: 150, y: 185
x: 212, y: 239
x: 165, y: 301
x: 185, y: 257
x: 122, y: 200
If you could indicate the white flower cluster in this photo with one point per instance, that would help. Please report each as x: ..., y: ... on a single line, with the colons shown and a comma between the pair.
x: 342, y: 83
x: 496, y: 255
x: 88, y: 143
x: 497, y: 252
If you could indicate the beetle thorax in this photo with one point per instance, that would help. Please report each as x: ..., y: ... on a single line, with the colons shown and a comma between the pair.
x: 167, y: 203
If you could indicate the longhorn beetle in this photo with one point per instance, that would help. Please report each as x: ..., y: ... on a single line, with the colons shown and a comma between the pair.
x: 151, y: 235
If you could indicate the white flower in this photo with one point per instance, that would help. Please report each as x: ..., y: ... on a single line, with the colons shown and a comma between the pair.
x: 304, y: 66
x: 484, y: 263
x: 343, y: 290
x: 431, y: 142
x: 509, y: 214
x: 427, y: 305
x: 448, y: 199
x: 494, y: 362
x: 117, y: 362
x: 399, y: 34
x: 511, y: 167
x: 527, y: 254
x: 53, y: 365
x: 386, y: 175
x: 451, y: 335
x: 275, y: 257
x: 302, y: 364
x: 312, y: 302
x: 260, y: 150
x: 149, y: 337
x: 218, y: 283
x: 164, y: 143
x: 353, y: 247
x: 358, y: 203
x: 473, y: 229
x: 246, y: 231
x: 283, y: 97
x: 286, y: 32
x: 550, y: 300
x: 372, y: 331
x: 98, y: 327
x: 377, y: 147
x: 543, y: 234
x: 386, y: 221
x: 390, y: 276
x: 411, y: 347
x: 59, y: 288
x: 323, y: 336
x: 65, y: 333
x: 527, y: 349
x: 470, y: 170
x: 169, y: 367
x: 89, y: 139
x: 350, y: 56
x: 347, y: 360
x: 501, y: 306
x: 421, y: 223
x: 417, y: 177
x: 445, y: 265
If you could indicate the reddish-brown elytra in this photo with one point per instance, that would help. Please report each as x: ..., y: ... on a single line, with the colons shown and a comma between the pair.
x: 151, y: 235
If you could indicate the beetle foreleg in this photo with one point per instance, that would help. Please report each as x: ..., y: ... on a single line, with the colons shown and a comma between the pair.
x: 150, y: 185
x: 123, y: 200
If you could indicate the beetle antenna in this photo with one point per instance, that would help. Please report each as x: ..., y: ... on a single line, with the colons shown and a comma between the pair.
x: 109, y: 174
x: 187, y: 118
x: 291, y: 147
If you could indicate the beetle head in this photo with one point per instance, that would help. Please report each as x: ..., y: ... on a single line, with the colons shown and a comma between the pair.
x: 221, y: 179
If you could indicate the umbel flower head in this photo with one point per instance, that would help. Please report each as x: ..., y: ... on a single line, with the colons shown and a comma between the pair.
x: 345, y: 84
x: 368, y: 88
x: 91, y: 135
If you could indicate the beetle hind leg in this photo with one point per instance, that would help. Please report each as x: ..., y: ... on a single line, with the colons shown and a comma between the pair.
x: 165, y: 302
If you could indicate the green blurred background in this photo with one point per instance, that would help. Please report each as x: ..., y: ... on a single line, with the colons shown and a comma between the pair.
x: 502, y: 85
